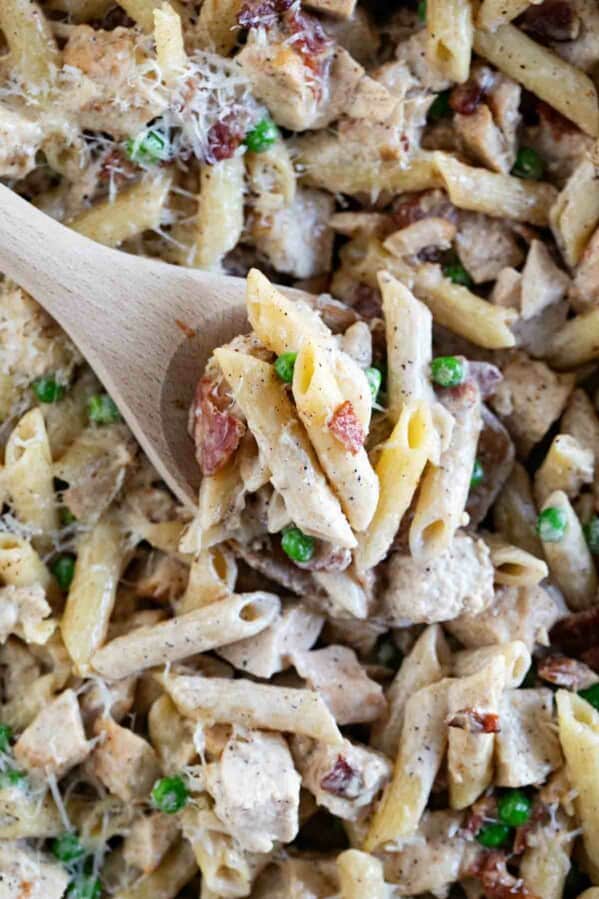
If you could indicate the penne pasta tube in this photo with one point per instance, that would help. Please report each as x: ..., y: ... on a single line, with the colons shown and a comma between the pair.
x: 579, y: 737
x: 28, y: 474
x: 421, y: 750
x: 361, y: 876
x: 501, y: 196
x: 577, y: 342
x: 168, y: 37
x: 21, y: 566
x: 514, y: 566
x: 174, y: 871
x: 399, y: 469
x: 318, y: 398
x: 543, y: 72
x: 457, y: 308
x: 568, y: 555
x: 449, y: 37
x: 92, y: 593
x: 295, y: 471
x: 200, y: 630
x: 515, y: 655
x: 254, y: 705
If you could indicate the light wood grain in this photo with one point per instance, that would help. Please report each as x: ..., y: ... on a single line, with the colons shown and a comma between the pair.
x: 125, y: 313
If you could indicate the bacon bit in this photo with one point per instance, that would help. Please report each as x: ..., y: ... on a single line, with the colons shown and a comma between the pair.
x: 223, y: 138
x: 187, y: 329
x: 342, y: 780
x: 346, y: 428
x: 408, y: 211
x: 565, y: 672
x: 461, y: 397
x: 577, y: 633
x: 327, y: 558
x: 466, y: 98
x: 216, y: 430
x: 497, y: 882
x: 117, y: 166
x: 311, y: 42
x: 420, y: 205
x: 484, y: 809
x: 475, y: 722
x: 262, y: 13
x: 540, y: 813
x: 368, y: 302
x: 487, y: 376
x: 553, y: 20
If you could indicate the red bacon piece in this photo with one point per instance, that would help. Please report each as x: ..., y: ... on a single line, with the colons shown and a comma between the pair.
x: 342, y: 779
x: 497, y: 882
x: 475, y: 722
x: 345, y: 426
x: 577, y: 633
x: 466, y: 98
x: 565, y: 672
x: 216, y: 431
x: 223, y: 139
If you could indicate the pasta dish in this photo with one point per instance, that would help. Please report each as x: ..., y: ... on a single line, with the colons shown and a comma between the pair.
x: 366, y: 665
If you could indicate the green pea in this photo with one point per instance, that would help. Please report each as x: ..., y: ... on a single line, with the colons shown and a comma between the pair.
x: 551, y: 525
x: 148, y: 147
x: 422, y: 10
x: 263, y: 136
x: 102, y: 409
x: 492, y: 836
x: 5, y: 737
x: 591, y: 533
x: 66, y: 517
x: 457, y: 274
x: 63, y: 569
x: 170, y: 794
x: 447, y: 371
x: 591, y: 694
x: 12, y: 778
x: 85, y: 887
x: 478, y: 474
x: 284, y: 365
x: 514, y: 808
x: 297, y: 545
x: 528, y: 165
x: 67, y: 847
x: 47, y: 389
x: 374, y: 377
x: 440, y: 108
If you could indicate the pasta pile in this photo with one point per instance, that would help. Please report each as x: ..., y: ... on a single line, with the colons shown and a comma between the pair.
x: 367, y: 664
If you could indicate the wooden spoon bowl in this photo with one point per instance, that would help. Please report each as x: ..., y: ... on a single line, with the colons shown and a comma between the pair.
x: 132, y: 318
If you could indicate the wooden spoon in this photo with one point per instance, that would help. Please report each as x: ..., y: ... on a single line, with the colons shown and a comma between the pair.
x: 146, y: 328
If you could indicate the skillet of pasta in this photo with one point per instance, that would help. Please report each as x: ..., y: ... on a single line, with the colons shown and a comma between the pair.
x: 366, y: 666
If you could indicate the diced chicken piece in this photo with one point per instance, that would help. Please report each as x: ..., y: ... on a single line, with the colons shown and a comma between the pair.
x: 457, y: 582
x: 269, y: 652
x: 535, y: 335
x: 421, y: 235
x: 125, y: 100
x: 357, y: 343
x: 171, y: 734
x: 506, y: 290
x: 18, y: 668
x: 543, y: 283
x: 27, y: 873
x: 344, y: 780
x: 256, y: 790
x: 103, y: 699
x: 297, y: 240
x: 579, y: 22
x: 297, y: 97
x: 20, y: 139
x: 517, y: 613
x: 337, y: 675
x: 487, y: 130
x: 527, y: 747
x: 431, y: 859
x: 482, y: 140
x: 412, y: 52
x: 529, y: 399
x: 503, y: 100
x: 567, y: 466
x: 584, y: 292
x: 55, y: 741
x: 495, y: 452
x: 486, y: 246
x: 24, y: 612
x: 124, y: 762
x: 344, y: 9
x: 149, y: 839
x: 581, y: 421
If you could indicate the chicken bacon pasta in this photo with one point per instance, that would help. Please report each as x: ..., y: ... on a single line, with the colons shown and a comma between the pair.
x: 366, y: 664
